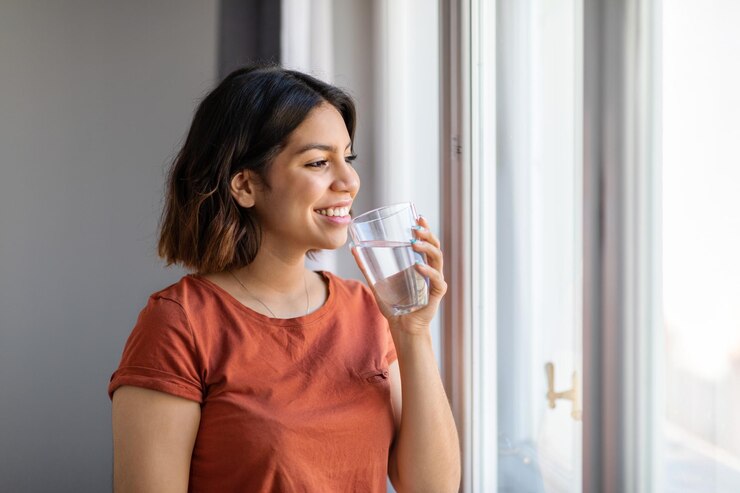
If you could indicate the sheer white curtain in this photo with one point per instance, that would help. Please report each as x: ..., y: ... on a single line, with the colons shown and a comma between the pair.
x: 307, y: 37
x: 395, y: 80
x: 306, y: 44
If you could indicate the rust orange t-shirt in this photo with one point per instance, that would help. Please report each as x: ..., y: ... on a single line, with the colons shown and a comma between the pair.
x: 299, y: 404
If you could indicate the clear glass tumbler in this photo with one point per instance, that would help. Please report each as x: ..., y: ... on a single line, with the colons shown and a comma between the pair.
x: 383, y: 241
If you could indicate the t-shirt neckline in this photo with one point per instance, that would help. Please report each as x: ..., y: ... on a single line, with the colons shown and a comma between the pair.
x: 314, y: 316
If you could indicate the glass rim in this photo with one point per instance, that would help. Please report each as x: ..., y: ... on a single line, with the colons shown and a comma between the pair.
x: 363, y: 218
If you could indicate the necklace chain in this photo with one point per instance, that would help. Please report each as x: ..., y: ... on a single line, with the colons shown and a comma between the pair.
x: 305, y: 287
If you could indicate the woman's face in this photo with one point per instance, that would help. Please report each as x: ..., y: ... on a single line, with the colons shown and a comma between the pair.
x: 312, y: 186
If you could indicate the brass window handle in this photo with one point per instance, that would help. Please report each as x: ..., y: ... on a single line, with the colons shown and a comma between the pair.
x: 573, y: 394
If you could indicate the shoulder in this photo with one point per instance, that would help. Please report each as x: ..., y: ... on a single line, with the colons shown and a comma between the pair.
x: 350, y: 292
x: 186, y: 292
x: 165, y: 307
x: 175, y: 304
x: 347, y: 287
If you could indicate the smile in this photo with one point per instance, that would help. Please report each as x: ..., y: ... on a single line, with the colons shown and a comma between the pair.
x: 334, y: 212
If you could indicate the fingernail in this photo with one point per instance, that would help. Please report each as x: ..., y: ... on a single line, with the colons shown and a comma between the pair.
x: 417, y: 227
x: 413, y: 240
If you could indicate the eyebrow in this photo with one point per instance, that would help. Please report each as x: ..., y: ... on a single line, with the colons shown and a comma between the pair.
x: 321, y: 147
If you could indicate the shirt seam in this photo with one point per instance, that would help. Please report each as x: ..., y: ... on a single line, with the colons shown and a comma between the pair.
x: 196, y: 346
x: 129, y: 371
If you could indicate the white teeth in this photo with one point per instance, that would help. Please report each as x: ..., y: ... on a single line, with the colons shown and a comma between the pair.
x: 334, y: 212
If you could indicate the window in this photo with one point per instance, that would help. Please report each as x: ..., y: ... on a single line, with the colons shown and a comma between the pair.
x: 701, y: 245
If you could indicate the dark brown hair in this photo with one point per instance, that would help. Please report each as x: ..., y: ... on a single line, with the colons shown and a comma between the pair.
x: 242, y: 124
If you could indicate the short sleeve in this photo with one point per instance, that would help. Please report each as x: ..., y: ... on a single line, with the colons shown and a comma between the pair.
x: 390, y: 355
x: 382, y: 322
x: 161, y: 353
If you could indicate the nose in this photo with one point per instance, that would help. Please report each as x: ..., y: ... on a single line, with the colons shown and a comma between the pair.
x: 346, y: 179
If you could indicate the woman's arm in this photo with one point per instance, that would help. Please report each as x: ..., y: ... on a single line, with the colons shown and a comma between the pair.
x: 426, y: 452
x: 153, y: 438
x: 426, y: 455
x: 425, y: 427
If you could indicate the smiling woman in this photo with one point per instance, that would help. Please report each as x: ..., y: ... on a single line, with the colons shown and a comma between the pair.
x: 254, y: 373
x: 250, y: 115
x: 315, y: 176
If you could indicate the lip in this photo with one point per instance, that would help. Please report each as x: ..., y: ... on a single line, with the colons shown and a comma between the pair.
x: 343, y: 203
x: 339, y: 220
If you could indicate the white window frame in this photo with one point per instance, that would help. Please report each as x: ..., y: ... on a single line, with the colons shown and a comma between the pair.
x: 621, y: 299
x: 455, y: 331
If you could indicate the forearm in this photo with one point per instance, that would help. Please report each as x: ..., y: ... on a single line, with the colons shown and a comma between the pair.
x: 426, y: 455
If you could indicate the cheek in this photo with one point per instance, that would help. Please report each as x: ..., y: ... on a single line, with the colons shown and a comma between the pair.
x: 358, y: 182
x: 305, y: 193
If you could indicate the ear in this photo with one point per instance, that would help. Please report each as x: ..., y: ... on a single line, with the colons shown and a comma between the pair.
x: 243, y: 188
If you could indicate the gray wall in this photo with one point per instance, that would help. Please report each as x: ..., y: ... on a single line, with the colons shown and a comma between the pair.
x: 95, y: 97
x: 353, y: 71
x: 249, y: 30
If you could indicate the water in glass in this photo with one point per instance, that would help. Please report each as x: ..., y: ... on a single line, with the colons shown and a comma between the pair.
x: 390, y: 268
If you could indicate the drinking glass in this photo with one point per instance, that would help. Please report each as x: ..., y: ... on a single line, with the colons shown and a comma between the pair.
x: 382, y: 238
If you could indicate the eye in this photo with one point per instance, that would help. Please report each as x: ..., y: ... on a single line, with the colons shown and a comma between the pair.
x: 350, y: 159
x: 318, y: 164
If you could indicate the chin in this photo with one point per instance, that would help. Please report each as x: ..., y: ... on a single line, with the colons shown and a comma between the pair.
x: 334, y: 244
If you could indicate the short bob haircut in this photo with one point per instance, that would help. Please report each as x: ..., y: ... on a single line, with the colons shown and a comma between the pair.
x: 242, y: 124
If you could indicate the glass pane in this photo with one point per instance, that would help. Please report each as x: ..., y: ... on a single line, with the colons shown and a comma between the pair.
x: 701, y: 245
x: 539, y: 244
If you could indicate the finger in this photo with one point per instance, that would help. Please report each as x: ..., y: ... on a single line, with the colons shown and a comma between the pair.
x: 433, y: 254
x: 437, y: 284
x: 423, y: 232
x: 422, y: 221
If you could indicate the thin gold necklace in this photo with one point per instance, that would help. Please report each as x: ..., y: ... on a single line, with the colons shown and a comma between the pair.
x: 305, y: 287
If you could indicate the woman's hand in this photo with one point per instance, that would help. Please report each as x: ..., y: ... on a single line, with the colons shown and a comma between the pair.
x: 418, y: 321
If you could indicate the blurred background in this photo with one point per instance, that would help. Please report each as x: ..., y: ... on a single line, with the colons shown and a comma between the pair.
x: 578, y: 159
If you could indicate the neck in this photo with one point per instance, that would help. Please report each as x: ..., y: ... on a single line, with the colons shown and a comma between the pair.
x: 275, y: 273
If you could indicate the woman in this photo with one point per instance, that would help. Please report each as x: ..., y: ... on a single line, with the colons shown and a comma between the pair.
x: 253, y: 373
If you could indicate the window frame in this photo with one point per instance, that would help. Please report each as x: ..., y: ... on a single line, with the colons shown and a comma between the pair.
x: 621, y: 224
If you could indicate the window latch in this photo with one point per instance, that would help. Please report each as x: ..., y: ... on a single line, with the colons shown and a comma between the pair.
x: 573, y: 394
